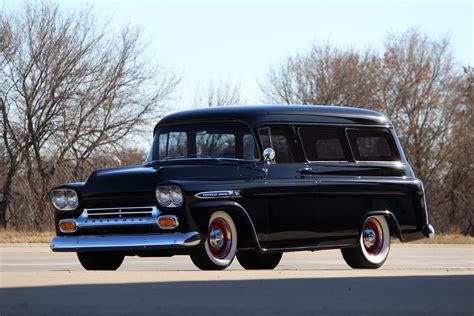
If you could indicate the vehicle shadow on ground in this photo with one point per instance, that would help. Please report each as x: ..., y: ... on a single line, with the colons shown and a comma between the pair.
x: 311, y: 296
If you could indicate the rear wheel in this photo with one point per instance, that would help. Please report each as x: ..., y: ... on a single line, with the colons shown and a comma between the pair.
x: 100, y: 261
x: 374, y: 245
x: 218, y: 251
x: 254, y: 260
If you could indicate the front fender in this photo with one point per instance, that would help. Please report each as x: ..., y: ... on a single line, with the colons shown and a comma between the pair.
x: 201, y: 212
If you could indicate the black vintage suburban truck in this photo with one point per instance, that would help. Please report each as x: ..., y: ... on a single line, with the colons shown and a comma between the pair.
x: 249, y: 182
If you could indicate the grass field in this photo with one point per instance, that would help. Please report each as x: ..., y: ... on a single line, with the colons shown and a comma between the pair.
x: 12, y: 236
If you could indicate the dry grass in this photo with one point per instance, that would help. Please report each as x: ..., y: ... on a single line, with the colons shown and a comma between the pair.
x: 447, y: 239
x: 13, y: 236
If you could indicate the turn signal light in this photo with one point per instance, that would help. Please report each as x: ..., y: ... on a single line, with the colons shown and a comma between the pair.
x: 67, y: 226
x: 168, y: 222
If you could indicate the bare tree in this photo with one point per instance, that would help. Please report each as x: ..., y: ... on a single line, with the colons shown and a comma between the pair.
x: 456, y: 190
x: 224, y: 93
x: 69, y: 89
x: 325, y: 75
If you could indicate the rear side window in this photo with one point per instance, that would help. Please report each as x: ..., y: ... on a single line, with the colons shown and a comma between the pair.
x: 372, y: 145
x: 323, y: 143
x: 279, y: 138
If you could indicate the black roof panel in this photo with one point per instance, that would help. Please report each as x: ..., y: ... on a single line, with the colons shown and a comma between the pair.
x: 255, y: 114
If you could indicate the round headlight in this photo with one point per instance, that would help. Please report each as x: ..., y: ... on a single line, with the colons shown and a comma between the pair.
x: 163, y: 195
x: 169, y: 196
x: 64, y: 200
x: 58, y: 198
x: 71, y: 198
x: 176, y: 196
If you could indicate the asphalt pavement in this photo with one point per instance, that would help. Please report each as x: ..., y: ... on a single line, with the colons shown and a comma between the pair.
x: 417, y: 279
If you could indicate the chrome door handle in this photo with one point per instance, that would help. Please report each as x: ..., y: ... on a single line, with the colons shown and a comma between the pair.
x: 306, y: 170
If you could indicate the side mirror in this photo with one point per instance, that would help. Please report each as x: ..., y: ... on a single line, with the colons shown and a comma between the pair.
x: 268, y: 155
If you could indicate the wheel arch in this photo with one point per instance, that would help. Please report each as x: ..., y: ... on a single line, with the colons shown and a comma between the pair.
x: 392, y: 221
x: 247, y: 236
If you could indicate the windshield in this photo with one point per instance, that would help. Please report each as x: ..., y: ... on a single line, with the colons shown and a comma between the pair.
x: 204, y: 140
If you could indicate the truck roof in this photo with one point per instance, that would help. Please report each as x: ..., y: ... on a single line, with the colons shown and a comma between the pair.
x: 256, y: 114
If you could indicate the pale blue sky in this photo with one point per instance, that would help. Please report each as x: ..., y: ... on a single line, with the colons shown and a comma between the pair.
x: 237, y: 41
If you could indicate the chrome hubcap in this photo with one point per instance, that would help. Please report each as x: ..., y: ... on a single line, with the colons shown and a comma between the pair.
x: 372, y: 236
x: 216, y: 238
x: 369, y: 237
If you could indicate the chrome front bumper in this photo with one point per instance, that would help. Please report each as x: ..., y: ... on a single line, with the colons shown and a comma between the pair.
x: 125, y: 242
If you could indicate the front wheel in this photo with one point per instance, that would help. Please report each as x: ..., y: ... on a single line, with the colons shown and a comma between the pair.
x: 374, y: 245
x: 218, y: 250
x: 100, y: 261
x: 253, y: 260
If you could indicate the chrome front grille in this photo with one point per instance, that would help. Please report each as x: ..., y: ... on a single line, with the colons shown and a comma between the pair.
x: 118, y: 216
x: 123, y: 212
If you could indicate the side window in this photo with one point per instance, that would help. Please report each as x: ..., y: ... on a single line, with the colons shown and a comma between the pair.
x: 372, y: 145
x: 323, y: 143
x: 173, y: 144
x: 279, y: 138
x: 249, y: 149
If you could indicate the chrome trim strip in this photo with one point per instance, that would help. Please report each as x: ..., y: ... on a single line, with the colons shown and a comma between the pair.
x: 120, y: 207
x: 117, y: 213
x: 226, y: 194
x: 125, y: 242
x: 303, y: 248
x: 365, y: 179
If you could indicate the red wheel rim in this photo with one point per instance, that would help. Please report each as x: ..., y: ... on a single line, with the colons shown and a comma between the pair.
x: 372, y: 236
x: 219, y: 238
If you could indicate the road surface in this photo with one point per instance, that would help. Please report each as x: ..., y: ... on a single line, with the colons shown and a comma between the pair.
x: 417, y: 279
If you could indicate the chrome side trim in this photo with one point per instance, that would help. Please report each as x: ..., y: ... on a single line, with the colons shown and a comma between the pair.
x: 125, y: 242
x: 228, y: 194
x: 365, y: 179
x: 307, y: 248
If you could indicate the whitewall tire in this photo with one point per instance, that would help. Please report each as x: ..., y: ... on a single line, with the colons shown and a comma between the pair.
x: 374, y: 245
x: 218, y: 250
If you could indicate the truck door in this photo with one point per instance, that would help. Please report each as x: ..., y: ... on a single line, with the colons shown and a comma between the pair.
x: 288, y: 192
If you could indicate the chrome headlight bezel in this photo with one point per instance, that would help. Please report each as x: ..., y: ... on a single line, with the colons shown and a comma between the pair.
x: 64, y: 199
x: 169, y: 195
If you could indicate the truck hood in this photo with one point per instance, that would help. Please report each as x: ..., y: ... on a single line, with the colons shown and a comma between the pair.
x: 140, y: 179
